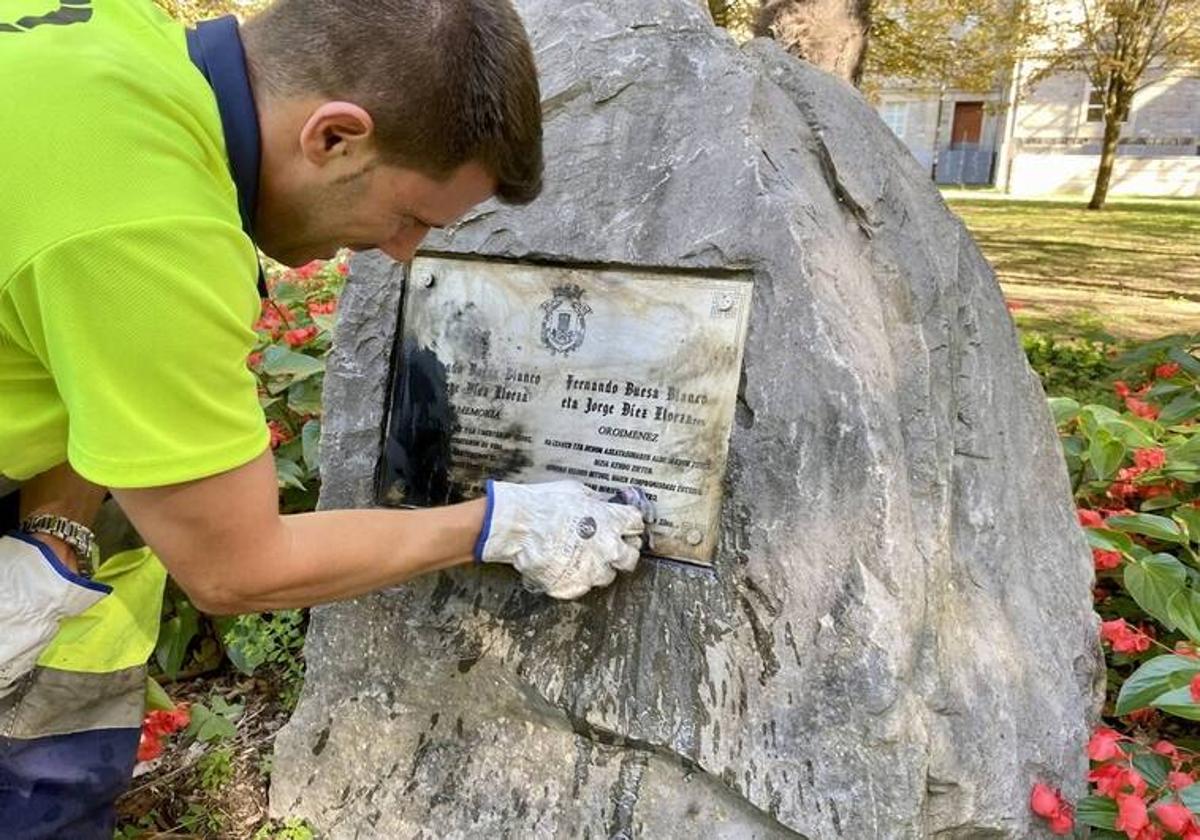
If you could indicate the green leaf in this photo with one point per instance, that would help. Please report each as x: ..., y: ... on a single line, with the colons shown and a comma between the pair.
x: 1091, y: 417
x: 1189, y: 517
x: 1183, y: 608
x: 174, y: 637
x: 1190, y: 796
x: 325, y: 323
x: 1097, y: 811
x: 1190, y: 450
x: 1183, y: 407
x: 288, y: 473
x: 1125, y: 431
x: 1153, y: 767
x: 1163, y: 388
x: 1109, y: 540
x: 1105, y: 454
x: 1150, y: 525
x: 1179, y: 703
x: 288, y: 294
x: 156, y: 698
x: 1153, y: 679
x: 227, y: 710
x: 1185, y: 360
x: 280, y: 361
x: 244, y: 645
x: 1063, y: 409
x: 208, y: 726
x: 1152, y: 581
x: 1159, y: 503
x: 310, y: 435
x: 304, y: 397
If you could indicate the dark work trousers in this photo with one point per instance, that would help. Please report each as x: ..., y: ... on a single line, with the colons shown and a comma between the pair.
x: 61, y: 767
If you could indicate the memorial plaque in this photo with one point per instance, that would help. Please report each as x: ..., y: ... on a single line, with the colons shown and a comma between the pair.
x: 534, y: 373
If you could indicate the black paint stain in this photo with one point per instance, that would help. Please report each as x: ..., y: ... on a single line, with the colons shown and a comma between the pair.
x: 417, y: 451
x: 419, y: 467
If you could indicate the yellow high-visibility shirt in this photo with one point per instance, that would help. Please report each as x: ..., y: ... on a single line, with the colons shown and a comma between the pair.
x: 127, y: 286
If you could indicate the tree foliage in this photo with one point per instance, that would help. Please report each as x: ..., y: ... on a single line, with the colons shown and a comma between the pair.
x: 952, y: 44
x: 190, y: 11
x: 1116, y: 43
x: 735, y: 15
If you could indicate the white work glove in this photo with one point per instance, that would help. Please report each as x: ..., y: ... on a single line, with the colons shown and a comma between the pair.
x: 564, y: 538
x: 38, y: 593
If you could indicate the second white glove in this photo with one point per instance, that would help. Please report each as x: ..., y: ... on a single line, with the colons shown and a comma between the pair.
x: 38, y: 593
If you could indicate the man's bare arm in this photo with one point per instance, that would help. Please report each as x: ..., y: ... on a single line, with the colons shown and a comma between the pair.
x: 224, y: 542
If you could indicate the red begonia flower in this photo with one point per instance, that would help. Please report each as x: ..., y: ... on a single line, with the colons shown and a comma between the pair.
x: 1044, y: 800
x: 1194, y: 688
x: 1178, y: 780
x: 1105, y: 560
x: 1131, y: 814
x: 1103, y: 744
x: 1109, y: 779
x: 299, y: 337
x: 1174, y: 816
x: 1141, y: 409
x: 309, y: 269
x: 1063, y: 822
x: 1150, y: 832
x: 1090, y: 518
x: 279, y: 434
x: 149, y: 746
x: 1150, y: 458
x: 1166, y: 371
x: 1165, y: 747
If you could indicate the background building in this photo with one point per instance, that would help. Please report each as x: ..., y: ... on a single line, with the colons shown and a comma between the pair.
x: 1045, y: 138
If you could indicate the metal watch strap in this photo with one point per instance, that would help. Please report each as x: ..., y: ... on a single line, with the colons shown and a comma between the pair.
x: 79, y: 537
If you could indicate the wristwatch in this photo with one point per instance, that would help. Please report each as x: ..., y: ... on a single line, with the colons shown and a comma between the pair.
x: 80, y: 538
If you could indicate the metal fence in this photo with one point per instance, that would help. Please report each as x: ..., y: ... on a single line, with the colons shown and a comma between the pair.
x: 966, y: 164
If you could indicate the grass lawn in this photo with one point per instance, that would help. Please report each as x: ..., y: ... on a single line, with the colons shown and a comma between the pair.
x: 1131, y: 270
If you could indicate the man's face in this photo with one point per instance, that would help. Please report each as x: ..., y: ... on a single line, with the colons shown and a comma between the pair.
x: 379, y: 206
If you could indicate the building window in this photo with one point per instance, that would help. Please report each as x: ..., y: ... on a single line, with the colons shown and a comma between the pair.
x: 1095, y: 106
x: 895, y: 114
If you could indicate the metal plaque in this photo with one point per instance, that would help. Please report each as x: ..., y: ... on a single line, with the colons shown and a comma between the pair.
x: 534, y: 373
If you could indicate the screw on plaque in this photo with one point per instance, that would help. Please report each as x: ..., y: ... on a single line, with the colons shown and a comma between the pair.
x: 428, y: 280
x: 587, y: 528
x: 726, y: 302
x: 695, y: 536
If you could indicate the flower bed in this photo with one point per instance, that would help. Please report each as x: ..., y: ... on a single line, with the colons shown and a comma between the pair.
x: 1136, y: 477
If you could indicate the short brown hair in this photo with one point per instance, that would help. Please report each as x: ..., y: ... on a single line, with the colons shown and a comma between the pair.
x: 447, y: 82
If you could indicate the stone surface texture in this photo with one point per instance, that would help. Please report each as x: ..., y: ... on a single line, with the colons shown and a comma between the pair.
x: 897, y: 641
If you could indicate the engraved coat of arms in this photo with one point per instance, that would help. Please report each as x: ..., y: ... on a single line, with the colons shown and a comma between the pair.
x: 564, y: 324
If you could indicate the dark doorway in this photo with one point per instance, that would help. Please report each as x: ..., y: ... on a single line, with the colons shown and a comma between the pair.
x: 968, y: 124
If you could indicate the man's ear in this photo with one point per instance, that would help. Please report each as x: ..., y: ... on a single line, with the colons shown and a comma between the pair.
x: 336, y: 130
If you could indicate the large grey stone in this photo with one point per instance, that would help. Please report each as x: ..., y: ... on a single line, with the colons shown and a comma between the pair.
x: 898, y: 638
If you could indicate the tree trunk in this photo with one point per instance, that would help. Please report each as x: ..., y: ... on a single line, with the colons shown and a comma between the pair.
x: 1108, y: 154
x: 832, y: 34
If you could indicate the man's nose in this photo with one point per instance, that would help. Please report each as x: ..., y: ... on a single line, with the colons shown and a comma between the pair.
x: 403, y: 245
